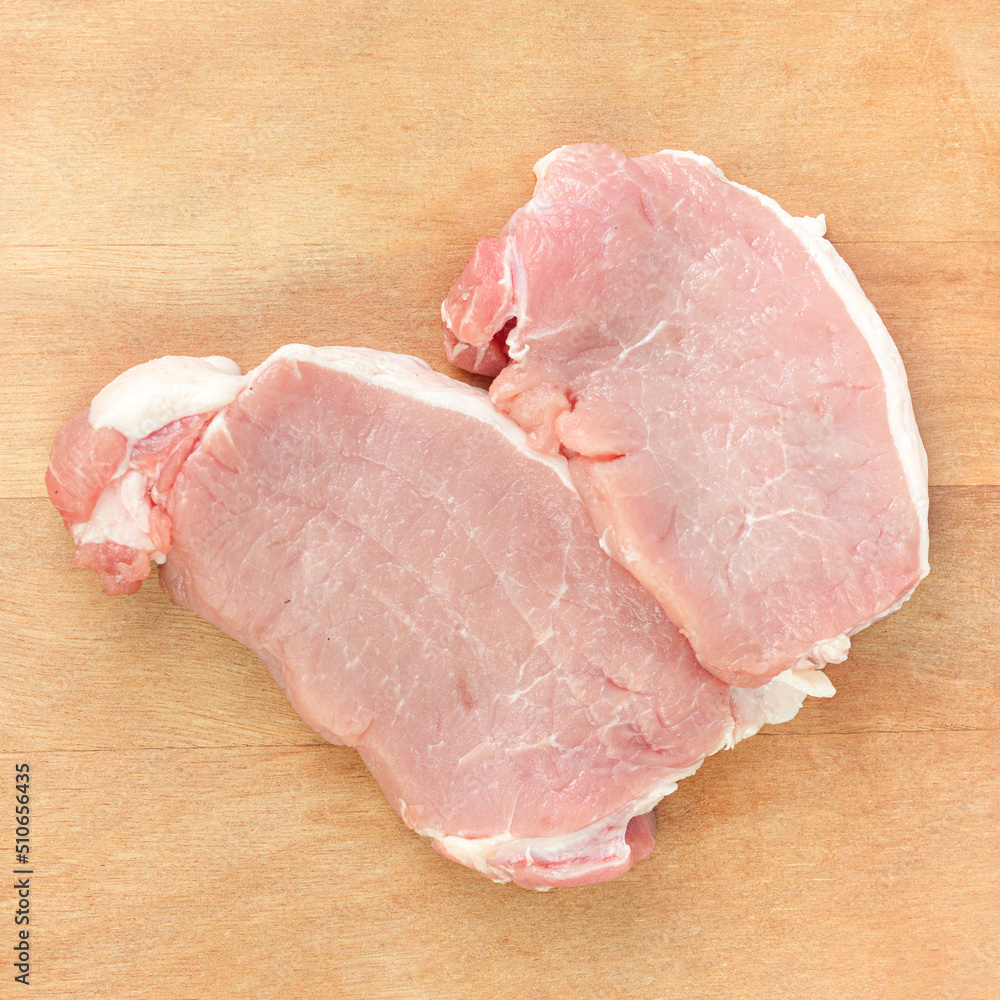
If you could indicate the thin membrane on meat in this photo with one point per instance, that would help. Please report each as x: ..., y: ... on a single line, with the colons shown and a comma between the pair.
x: 423, y: 586
x: 735, y: 415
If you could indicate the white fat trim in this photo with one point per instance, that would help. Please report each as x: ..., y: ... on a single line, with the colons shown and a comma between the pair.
x: 810, y: 680
x: 132, y: 493
x: 902, y: 423
x: 123, y: 523
x: 771, y: 704
x: 777, y: 701
x: 150, y: 396
x: 415, y: 379
x: 825, y: 651
x: 816, y: 225
x: 482, y: 853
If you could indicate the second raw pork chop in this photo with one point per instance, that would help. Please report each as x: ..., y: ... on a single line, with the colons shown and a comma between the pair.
x: 422, y: 585
x: 735, y: 414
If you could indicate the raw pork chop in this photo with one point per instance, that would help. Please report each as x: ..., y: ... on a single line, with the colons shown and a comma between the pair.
x: 735, y: 414
x: 422, y: 585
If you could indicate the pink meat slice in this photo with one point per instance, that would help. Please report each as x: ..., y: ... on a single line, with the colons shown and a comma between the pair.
x: 424, y: 587
x: 735, y: 415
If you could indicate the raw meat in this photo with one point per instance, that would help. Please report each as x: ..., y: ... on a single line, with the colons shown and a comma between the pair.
x: 423, y: 586
x: 735, y: 415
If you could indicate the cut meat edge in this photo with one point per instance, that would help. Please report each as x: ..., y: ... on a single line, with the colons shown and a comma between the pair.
x: 597, y: 853
x: 609, y: 847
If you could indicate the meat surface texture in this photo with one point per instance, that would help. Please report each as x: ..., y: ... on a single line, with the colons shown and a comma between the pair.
x: 735, y: 414
x: 423, y: 585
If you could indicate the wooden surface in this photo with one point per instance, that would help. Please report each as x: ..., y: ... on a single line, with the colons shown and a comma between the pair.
x: 209, y: 177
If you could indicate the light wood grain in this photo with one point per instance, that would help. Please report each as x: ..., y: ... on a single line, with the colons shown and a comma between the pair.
x: 791, y: 867
x: 226, y: 177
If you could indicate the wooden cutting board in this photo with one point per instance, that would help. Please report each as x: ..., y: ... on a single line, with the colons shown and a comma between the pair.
x: 221, y: 178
